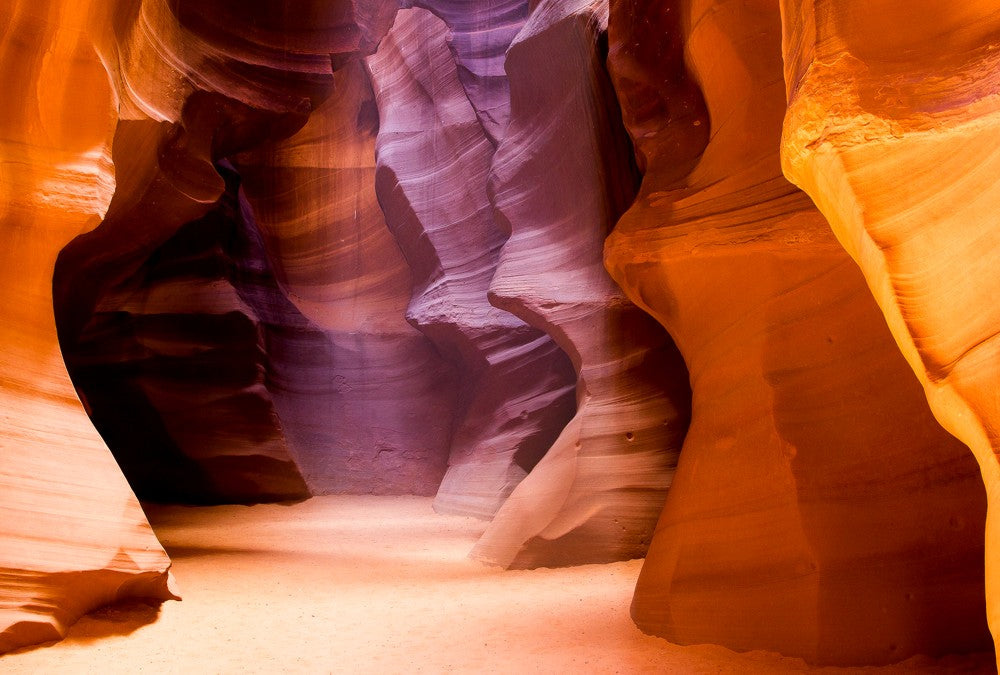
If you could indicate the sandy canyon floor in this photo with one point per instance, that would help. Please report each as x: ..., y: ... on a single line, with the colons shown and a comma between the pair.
x: 379, y: 585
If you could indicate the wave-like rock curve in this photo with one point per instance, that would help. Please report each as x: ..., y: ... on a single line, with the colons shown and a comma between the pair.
x: 815, y: 492
x: 561, y: 176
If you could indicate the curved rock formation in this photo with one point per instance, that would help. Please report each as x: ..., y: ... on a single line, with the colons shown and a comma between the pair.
x: 73, y: 535
x: 127, y: 278
x: 175, y: 366
x: 332, y: 376
x: 516, y: 386
x: 818, y: 509
x: 371, y: 411
x: 264, y: 56
x: 892, y: 129
x: 562, y: 175
x: 479, y: 33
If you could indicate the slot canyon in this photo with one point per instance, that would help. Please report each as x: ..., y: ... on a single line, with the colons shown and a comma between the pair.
x: 499, y: 336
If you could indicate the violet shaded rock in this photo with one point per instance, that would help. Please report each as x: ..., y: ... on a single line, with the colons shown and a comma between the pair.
x: 515, y: 389
x: 561, y: 176
x: 368, y: 406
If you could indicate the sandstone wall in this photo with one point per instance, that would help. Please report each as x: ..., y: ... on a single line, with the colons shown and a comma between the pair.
x: 73, y: 535
x: 891, y: 128
x: 816, y: 497
x: 561, y: 176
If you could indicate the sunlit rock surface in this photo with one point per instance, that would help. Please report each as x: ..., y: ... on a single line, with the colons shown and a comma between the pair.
x: 515, y: 386
x: 562, y: 175
x: 72, y: 535
x: 818, y: 509
x: 892, y: 128
x: 189, y: 211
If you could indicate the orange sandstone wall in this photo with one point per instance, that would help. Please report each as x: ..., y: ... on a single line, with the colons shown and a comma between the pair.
x: 73, y: 535
x: 817, y: 509
x: 892, y: 126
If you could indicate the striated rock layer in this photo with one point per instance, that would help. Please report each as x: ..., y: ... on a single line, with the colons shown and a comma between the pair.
x: 370, y: 409
x: 479, y: 33
x: 892, y: 129
x: 561, y: 176
x: 198, y: 382
x: 817, y: 510
x: 72, y: 535
x: 174, y: 367
x: 303, y: 346
x: 516, y: 386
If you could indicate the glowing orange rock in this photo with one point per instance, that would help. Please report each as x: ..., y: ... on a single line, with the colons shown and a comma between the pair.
x: 818, y: 509
x: 892, y: 128
x: 73, y: 535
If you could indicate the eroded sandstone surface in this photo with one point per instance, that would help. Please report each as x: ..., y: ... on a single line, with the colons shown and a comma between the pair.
x: 72, y: 535
x: 596, y: 494
x: 505, y: 252
x: 892, y: 129
x: 515, y: 389
x: 815, y: 491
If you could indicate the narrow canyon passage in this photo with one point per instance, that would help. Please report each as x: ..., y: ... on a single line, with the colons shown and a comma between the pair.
x: 499, y: 335
x: 380, y: 584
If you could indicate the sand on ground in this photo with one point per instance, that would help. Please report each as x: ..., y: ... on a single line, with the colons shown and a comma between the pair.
x: 361, y: 584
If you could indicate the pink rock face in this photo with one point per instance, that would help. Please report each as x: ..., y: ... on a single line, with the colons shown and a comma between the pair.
x: 515, y: 386
x: 320, y: 376
x: 370, y: 409
x: 815, y: 494
x: 197, y: 361
x: 561, y: 175
x: 892, y: 129
x: 479, y: 33
x: 72, y: 535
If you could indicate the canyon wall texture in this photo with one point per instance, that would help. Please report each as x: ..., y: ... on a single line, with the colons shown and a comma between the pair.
x: 434, y: 155
x: 169, y: 359
x: 815, y: 494
x: 301, y: 377
x: 540, y: 259
x: 72, y: 535
x: 369, y: 409
x: 559, y: 182
x: 892, y: 129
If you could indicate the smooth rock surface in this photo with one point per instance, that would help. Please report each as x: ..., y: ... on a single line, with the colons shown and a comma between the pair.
x: 892, y: 129
x: 479, y: 34
x: 72, y: 535
x: 818, y: 509
x: 515, y: 386
x: 174, y: 366
x: 561, y: 176
x: 369, y: 408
